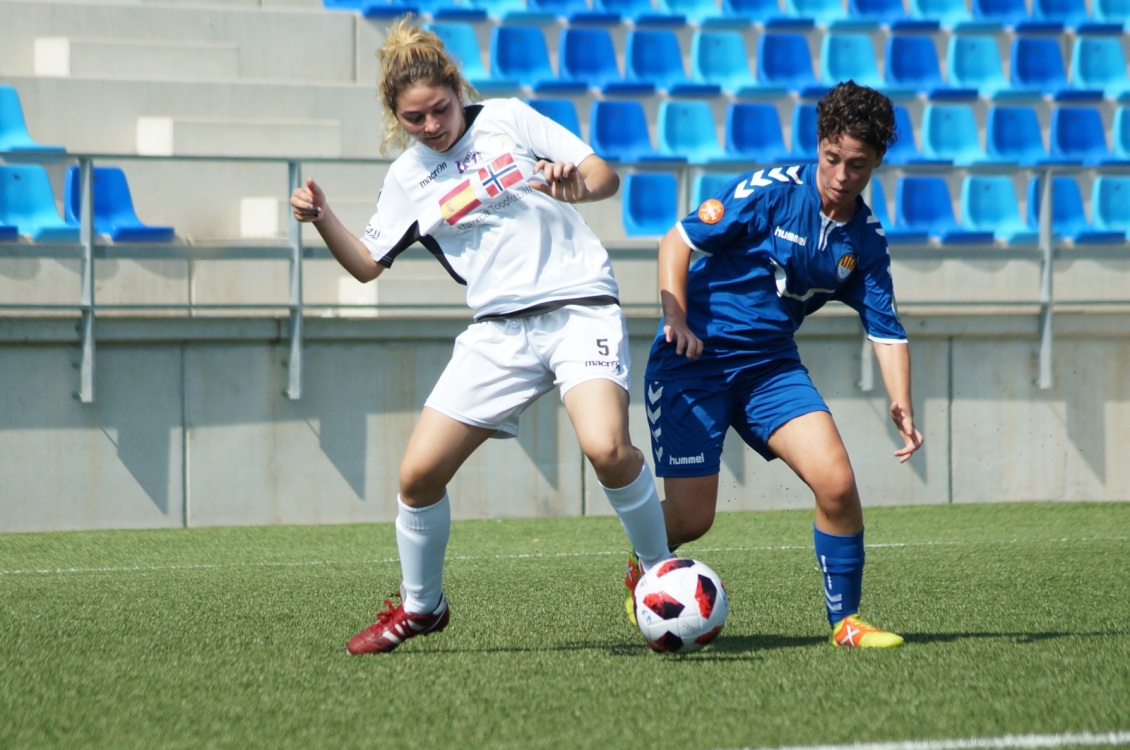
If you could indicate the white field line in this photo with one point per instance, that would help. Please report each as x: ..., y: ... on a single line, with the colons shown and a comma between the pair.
x: 1023, y: 742
x: 525, y: 556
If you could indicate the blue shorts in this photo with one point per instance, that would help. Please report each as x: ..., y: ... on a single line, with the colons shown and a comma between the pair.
x: 689, y: 418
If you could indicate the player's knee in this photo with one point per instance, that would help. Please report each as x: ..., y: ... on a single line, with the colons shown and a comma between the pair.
x: 838, y: 493
x: 614, y: 459
x: 419, y: 484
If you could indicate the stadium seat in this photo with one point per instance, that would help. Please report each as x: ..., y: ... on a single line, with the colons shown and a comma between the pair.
x: 1037, y: 62
x: 114, y: 214
x: 618, y: 132
x: 640, y: 13
x: 27, y: 202
x: 654, y: 56
x: 949, y: 131
x: 849, y: 56
x: 754, y: 133
x: 1013, y: 14
x: 586, y: 56
x: 1072, y: 15
x: 702, y: 13
x: 804, y: 140
x: 14, y: 135
x: 831, y: 14
x: 720, y: 58
x: 1120, y: 134
x: 1078, y: 134
x: 9, y: 233
x: 1110, y: 203
x: 374, y: 8
x: 1112, y: 11
x: 513, y: 12
x: 989, y: 203
x: 686, y: 129
x: 953, y: 15
x: 785, y: 61
x: 1013, y: 133
x: 905, y: 151
x: 1099, y: 62
x: 707, y: 185
x: 650, y: 203
x: 923, y: 203
x: 910, y: 62
x: 573, y: 12
x: 890, y: 14
x: 561, y: 111
x: 767, y: 13
x: 461, y: 42
x: 450, y: 10
x: 895, y: 234
x: 1069, y: 220
x: 520, y: 53
x: 974, y: 61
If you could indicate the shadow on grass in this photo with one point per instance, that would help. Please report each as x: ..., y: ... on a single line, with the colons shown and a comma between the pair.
x: 1017, y: 637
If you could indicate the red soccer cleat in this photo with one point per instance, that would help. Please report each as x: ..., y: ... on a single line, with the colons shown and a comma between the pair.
x: 394, y: 626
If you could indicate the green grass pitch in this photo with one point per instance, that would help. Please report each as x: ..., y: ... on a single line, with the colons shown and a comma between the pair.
x: 1016, y: 617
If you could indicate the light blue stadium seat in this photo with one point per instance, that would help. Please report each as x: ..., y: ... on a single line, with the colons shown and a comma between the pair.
x: 990, y: 203
x: 561, y: 111
x: 890, y: 14
x: 618, y: 132
x: 905, y: 150
x: 923, y: 202
x: 374, y: 8
x: 754, y: 133
x: 114, y: 214
x: 1069, y: 220
x: 513, y: 12
x: 1013, y: 133
x: 767, y: 13
x: 1110, y: 203
x: 1073, y: 15
x: 1078, y: 134
x: 1099, y: 62
x: 450, y: 10
x: 573, y: 12
x: 654, y: 56
x: 686, y: 129
x: 703, y: 13
x: 586, y: 55
x: 1013, y: 14
x: 849, y: 56
x: 708, y: 184
x: 832, y: 14
x: 14, y: 135
x: 953, y: 15
x: 949, y: 131
x: 785, y: 61
x: 650, y: 203
x: 519, y: 53
x: 805, y: 143
x: 641, y: 13
x: 461, y: 42
x: 1037, y: 62
x: 974, y: 61
x: 27, y: 202
x: 910, y: 62
x: 720, y: 57
x: 1120, y: 134
x: 1112, y: 11
x: 895, y: 234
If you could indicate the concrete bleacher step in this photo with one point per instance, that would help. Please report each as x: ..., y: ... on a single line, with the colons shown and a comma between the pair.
x: 83, y: 57
x: 220, y: 136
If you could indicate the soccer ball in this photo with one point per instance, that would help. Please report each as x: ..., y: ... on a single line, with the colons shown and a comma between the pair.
x: 681, y: 606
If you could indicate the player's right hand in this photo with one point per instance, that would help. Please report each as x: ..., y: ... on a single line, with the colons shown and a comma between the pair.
x: 308, y: 202
x: 685, y: 342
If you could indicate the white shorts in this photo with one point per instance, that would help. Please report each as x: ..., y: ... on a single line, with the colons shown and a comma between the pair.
x: 500, y: 367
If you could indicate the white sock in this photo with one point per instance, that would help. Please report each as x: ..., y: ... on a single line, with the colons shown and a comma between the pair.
x: 641, y: 515
x: 421, y: 537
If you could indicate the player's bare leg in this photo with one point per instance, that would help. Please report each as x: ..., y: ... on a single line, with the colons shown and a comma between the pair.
x: 689, y: 505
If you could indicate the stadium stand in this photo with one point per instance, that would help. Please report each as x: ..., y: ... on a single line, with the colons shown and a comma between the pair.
x: 720, y: 57
x: 1073, y: 16
x: 1037, y: 62
x: 905, y: 150
x: 460, y: 39
x: 1099, y: 62
x: 1069, y: 218
x: 924, y: 203
x: 655, y: 56
x: 785, y: 62
x: 561, y: 111
x: 685, y: 129
x: 1012, y: 14
x: 1115, y: 12
x: 766, y: 14
x: 707, y: 184
x: 753, y: 132
x: 1013, y: 133
x: 895, y: 233
x: 114, y: 214
x: 618, y: 132
x: 950, y: 133
x: 851, y: 56
x: 640, y: 13
x: 1110, y: 204
x: 890, y: 15
x: 27, y: 202
x: 828, y: 14
x: 974, y: 61
x: 910, y: 63
x: 701, y: 13
x: 803, y: 132
x: 650, y: 204
x: 14, y: 135
x: 1120, y: 134
x: 1078, y: 134
x: 519, y: 52
x: 586, y: 55
x: 990, y: 203
x: 951, y: 15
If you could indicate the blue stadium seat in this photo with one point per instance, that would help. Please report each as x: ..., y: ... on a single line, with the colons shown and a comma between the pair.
x: 513, y: 12
x: 974, y: 61
x: 890, y: 14
x: 1110, y: 203
x: 831, y: 14
x: 561, y: 111
x: 754, y: 132
x: 720, y: 58
x: 587, y: 56
x: 654, y: 56
x: 953, y: 15
x: 910, y: 62
x: 1013, y: 133
x: 895, y: 234
x: 27, y: 202
x: 785, y: 61
x: 1120, y: 134
x: 905, y: 151
x: 640, y: 13
x: 573, y: 12
x: 804, y: 138
x: 520, y: 53
x: 1112, y: 11
x: 1037, y: 62
x: 450, y: 10
x: 1099, y: 62
x: 849, y: 56
x: 703, y: 13
x: 650, y: 204
x: 989, y: 203
x: 114, y: 214
x: 686, y: 129
x: 374, y: 8
x: 924, y: 203
x: 1013, y: 14
x: 618, y: 132
x: 1078, y: 134
x: 1069, y: 220
x: 708, y: 184
x: 1072, y: 15
x: 9, y: 233
x: 461, y: 42
x: 767, y: 13
x: 949, y: 131
x: 14, y: 135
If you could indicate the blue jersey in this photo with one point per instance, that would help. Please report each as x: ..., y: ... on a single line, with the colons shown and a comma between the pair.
x: 769, y: 257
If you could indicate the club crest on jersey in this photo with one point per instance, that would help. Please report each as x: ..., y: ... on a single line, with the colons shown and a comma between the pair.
x: 845, y: 267
x: 499, y: 175
x: 711, y: 211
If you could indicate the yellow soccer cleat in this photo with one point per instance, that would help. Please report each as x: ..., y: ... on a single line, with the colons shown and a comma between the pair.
x: 631, y: 578
x: 854, y: 632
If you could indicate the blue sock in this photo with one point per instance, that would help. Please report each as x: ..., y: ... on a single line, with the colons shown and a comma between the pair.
x: 841, y: 563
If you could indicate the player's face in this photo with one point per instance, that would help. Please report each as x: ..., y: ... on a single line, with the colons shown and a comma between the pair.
x: 433, y: 115
x: 843, y: 170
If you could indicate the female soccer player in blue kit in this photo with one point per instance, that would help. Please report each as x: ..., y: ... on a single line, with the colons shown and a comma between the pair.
x: 776, y: 246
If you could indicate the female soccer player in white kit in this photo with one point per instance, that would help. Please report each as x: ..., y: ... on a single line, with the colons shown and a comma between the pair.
x: 486, y: 190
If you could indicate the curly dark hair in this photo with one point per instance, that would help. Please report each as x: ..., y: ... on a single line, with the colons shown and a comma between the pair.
x: 860, y: 112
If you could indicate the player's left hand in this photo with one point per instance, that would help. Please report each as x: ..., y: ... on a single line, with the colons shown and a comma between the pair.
x: 911, y: 437
x: 562, y: 181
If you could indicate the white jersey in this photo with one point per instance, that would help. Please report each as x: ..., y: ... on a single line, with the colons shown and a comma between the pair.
x: 472, y: 207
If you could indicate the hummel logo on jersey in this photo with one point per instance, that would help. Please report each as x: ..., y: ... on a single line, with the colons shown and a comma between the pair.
x: 793, y: 237
x: 685, y: 460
